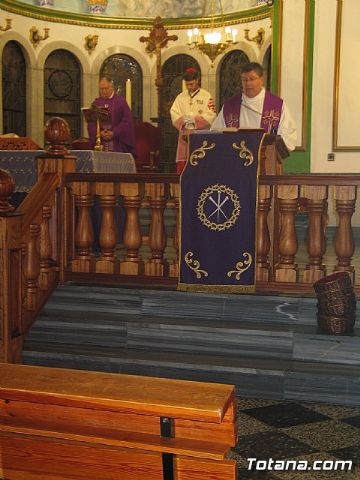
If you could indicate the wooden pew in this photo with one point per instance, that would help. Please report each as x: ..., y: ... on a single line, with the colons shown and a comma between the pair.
x: 70, y: 424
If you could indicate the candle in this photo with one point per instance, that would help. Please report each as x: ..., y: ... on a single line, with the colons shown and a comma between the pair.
x: 189, y: 34
x: 128, y: 92
x: 184, y: 89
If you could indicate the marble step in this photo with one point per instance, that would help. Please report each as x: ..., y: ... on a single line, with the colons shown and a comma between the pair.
x: 114, y: 318
x: 269, y: 347
x: 255, y: 308
x: 258, y: 378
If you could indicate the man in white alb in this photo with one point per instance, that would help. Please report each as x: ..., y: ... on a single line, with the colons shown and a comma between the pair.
x: 193, y: 108
x: 257, y: 108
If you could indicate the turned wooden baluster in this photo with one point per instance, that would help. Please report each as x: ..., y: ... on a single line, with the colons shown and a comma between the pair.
x: 315, y: 238
x: 132, y: 264
x: 108, y: 234
x: 175, y: 195
x: 84, y: 233
x: 32, y: 267
x: 263, y: 242
x: 286, y: 269
x: 345, y: 198
x: 45, y: 249
x: 157, y: 235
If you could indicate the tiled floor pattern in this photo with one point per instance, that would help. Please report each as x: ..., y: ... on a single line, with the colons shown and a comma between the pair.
x: 296, y: 431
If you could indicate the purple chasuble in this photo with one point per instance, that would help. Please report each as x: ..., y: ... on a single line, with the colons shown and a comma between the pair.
x: 270, y: 117
x: 121, y: 124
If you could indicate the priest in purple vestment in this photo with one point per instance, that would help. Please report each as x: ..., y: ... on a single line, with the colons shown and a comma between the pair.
x: 257, y: 108
x: 118, y: 135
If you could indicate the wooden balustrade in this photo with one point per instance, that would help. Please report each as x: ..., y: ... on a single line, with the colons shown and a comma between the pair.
x: 51, y: 236
x: 31, y: 243
x: 281, y: 200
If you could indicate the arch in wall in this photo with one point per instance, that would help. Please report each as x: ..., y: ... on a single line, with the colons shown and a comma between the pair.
x: 14, y: 89
x: 62, y: 89
x: 229, y: 74
x: 121, y: 68
x: 29, y: 58
x: 266, y: 63
x: 138, y: 60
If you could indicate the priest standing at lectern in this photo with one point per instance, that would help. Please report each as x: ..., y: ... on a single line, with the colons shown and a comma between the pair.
x: 257, y: 108
x: 193, y: 108
x: 117, y: 135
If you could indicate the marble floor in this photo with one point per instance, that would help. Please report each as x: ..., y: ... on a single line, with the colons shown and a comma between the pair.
x: 302, y: 432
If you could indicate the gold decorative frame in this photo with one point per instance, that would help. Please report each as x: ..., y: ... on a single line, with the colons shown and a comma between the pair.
x: 336, y: 94
x: 305, y: 93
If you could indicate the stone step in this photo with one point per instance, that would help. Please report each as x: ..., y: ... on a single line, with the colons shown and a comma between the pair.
x: 269, y: 347
x: 257, y: 378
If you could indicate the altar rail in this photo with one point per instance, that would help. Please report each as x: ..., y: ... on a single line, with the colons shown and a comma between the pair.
x: 283, y: 201
x: 51, y: 237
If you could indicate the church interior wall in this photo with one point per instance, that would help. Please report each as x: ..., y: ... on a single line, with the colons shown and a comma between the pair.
x: 292, y: 85
x: 323, y: 105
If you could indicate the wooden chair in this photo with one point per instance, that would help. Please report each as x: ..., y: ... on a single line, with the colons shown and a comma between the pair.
x: 147, y: 143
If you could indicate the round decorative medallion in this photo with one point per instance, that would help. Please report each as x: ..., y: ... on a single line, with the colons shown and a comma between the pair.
x: 60, y: 83
x: 218, y: 207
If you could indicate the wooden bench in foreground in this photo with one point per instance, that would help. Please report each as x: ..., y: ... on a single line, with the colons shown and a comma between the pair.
x: 70, y: 424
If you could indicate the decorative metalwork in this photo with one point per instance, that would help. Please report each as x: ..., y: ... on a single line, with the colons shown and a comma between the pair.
x: 60, y: 83
x: 213, y: 43
x: 241, y: 266
x: 7, y: 25
x: 231, y: 68
x: 194, y: 265
x: 91, y: 42
x: 36, y: 38
x: 223, y: 220
x: 14, y: 89
x: 199, y: 153
x: 62, y: 94
x: 244, y: 153
x: 259, y: 38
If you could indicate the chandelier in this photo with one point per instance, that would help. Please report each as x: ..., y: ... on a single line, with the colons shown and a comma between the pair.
x: 212, y: 42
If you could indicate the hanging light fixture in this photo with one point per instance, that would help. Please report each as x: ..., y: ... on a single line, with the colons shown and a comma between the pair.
x: 212, y: 42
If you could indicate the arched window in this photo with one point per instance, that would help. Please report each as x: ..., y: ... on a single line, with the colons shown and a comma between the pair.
x: 62, y: 95
x: 14, y: 89
x: 230, y: 71
x: 120, y: 68
x: 172, y: 72
x: 267, y: 68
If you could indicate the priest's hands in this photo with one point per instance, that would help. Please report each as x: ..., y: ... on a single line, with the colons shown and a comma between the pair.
x: 107, y: 135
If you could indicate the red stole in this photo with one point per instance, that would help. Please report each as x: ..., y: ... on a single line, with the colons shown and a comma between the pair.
x: 270, y: 117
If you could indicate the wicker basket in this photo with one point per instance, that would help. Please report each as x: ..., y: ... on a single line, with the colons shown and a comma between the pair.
x: 337, y: 304
x: 336, y: 282
x: 336, y: 325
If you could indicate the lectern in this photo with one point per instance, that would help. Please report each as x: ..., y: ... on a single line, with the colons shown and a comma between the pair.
x: 100, y: 116
x: 218, y: 210
x: 273, y: 152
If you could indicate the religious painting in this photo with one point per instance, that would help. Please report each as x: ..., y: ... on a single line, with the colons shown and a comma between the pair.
x: 148, y: 9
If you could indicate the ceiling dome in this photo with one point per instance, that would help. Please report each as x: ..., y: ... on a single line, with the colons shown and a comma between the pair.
x: 141, y: 8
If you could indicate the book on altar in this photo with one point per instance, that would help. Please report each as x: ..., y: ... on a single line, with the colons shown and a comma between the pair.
x: 95, y: 113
